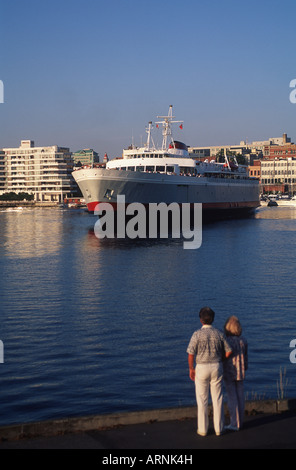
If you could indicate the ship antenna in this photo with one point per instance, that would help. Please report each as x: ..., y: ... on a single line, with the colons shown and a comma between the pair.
x: 166, y: 122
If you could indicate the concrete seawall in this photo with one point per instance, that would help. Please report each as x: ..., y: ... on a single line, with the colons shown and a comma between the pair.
x: 96, y: 422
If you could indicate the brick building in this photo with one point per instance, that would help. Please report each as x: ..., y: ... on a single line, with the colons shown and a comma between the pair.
x: 277, y: 169
x: 255, y: 169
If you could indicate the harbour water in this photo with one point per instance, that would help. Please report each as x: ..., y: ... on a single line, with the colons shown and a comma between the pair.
x: 98, y: 326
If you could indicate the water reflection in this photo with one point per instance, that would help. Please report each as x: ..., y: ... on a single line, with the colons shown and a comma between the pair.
x: 31, y: 232
x: 276, y: 212
x: 39, y: 232
x: 128, y: 243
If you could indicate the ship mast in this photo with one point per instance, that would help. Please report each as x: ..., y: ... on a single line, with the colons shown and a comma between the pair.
x: 149, y: 137
x: 166, y: 122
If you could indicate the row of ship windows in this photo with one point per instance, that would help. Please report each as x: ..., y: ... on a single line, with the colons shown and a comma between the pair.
x: 146, y: 156
x: 149, y: 168
x: 184, y: 171
x: 160, y: 169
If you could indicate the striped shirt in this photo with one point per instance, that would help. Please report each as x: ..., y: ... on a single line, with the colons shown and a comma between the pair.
x: 208, y: 345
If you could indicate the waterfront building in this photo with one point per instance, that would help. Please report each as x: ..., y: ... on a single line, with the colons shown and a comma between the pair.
x: 273, y: 141
x: 279, y: 151
x: 255, y: 169
x: 44, y: 172
x: 251, y: 150
x: 2, y: 172
x: 85, y: 157
x: 277, y: 169
x: 212, y: 151
x: 279, y: 175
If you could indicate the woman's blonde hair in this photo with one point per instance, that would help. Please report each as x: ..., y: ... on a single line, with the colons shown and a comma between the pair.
x: 233, y: 327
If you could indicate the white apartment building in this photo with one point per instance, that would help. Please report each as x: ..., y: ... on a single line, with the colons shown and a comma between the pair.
x: 279, y: 175
x: 2, y: 171
x: 44, y: 172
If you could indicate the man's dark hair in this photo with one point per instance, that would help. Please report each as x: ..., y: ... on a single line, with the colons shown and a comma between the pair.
x: 207, y: 315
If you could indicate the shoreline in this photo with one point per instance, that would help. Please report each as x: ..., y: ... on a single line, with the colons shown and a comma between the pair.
x: 4, y: 204
x: 61, y: 426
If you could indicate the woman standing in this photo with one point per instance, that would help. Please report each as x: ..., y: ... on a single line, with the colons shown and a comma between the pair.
x: 234, y: 372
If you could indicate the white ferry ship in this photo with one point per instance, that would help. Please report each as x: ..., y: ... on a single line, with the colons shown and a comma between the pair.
x: 169, y: 174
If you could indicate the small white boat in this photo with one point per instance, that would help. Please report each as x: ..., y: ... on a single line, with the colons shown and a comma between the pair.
x: 14, y: 209
x: 283, y: 201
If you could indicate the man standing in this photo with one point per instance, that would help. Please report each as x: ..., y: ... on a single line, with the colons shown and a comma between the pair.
x: 209, y: 347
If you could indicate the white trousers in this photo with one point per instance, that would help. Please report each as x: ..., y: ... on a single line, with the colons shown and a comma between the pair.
x: 208, y: 377
x: 235, y: 402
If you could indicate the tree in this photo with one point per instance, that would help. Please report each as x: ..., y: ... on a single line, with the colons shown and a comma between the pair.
x: 11, y: 196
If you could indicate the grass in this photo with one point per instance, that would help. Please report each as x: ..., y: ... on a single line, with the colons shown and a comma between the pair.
x: 282, y: 384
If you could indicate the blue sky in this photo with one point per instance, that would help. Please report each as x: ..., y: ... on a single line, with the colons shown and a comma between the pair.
x: 92, y: 73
